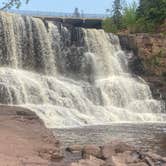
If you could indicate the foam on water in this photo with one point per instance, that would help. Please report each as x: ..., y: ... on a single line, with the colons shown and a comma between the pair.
x: 70, y: 77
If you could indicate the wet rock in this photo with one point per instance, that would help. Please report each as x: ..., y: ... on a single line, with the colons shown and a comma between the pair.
x: 107, y: 151
x: 125, y: 158
x: 122, y: 147
x: 149, y: 161
x: 131, y: 157
x: 92, y: 161
x: 113, y: 148
x: 155, y: 157
x: 51, y: 154
x: 110, y: 162
x: 138, y: 164
x: 74, y: 148
x: 91, y: 150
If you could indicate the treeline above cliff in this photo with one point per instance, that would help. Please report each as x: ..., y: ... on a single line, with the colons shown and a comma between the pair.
x: 147, y: 16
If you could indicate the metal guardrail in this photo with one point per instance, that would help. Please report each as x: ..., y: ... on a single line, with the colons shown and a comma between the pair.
x: 57, y: 14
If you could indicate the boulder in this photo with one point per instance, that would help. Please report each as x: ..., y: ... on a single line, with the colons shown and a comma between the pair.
x: 114, y: 154
x: 51, y: 154
x: 124, y: 159
x: 113, y: 148
x: 155, y: 157
x: 138, y: 164
x: 91, y: 150
x: 74, y: 148
x: 92, y: 161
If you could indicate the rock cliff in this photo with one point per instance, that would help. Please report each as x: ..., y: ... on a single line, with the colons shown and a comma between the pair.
x: 148, y: 59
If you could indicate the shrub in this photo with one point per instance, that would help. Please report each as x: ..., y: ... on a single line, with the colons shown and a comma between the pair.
x: 142, y: 25
x: 109, y: 26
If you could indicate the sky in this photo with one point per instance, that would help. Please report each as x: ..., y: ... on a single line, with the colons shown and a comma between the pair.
x: 88, y: 6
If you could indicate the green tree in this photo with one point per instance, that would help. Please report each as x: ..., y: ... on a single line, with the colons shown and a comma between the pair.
x: 129, y: 17
x: 117, y: 13
x: 109, y: 26
x: 151, y: 13
x: 114, y: 22
x: 8, y: 4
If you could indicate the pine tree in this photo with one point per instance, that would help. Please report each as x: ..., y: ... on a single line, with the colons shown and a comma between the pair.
x: 117, y: 13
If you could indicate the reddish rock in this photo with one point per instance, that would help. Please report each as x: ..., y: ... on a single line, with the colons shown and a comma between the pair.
x: 139, y: 164
x: 149, y: 161
x: 92, y: 161
x: 150, y: 48
x: 124, y: 158
x: 110, y: 162
x: 51, y: 154
x: 107, y: 151
x: 113, y: 148
x: 91, y: 150
x: 74, y: 148
x: 155, y: 157
x: 22, y: 136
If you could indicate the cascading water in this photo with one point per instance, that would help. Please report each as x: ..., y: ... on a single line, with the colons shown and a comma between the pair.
x: 70, y: 76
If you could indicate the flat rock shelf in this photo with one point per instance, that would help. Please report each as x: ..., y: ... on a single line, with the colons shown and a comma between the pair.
x: 24, y: 140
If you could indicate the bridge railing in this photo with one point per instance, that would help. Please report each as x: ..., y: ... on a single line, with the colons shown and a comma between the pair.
x: 56, y: 14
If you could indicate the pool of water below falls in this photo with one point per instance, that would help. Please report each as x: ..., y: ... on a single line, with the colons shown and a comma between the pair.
x: 146, y: 136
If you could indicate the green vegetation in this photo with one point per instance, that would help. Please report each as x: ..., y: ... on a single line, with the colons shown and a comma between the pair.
x: 153, y: 11
x: 109, y: 26
x: 114, y: 23
x: 8, y: 4
x: 155, y: 60
x: 129, y: 17
x: 145, y: 17
x: 117, y: 14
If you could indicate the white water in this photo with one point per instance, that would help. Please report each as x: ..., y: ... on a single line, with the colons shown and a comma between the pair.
x: 70, y: 77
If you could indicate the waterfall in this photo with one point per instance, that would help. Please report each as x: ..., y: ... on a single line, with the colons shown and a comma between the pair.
x: 70, y: 76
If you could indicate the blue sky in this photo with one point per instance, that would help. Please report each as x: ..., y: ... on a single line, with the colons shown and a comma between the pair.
x: 88, y: 6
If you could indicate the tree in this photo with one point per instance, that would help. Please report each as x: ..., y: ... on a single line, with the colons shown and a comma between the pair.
x: 129, y: 17
x: 8, y: 4
x: 117, y: 13
x: 114, y: 22
x: 109, y: 26
x: 76, y: 13
x: 153, y: 11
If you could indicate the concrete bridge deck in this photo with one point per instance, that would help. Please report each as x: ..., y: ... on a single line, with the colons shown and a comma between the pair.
x: 86, y: 20
x: 76, y: 22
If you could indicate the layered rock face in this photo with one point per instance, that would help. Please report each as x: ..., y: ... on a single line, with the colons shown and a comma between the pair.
x: 148, y: 60
x: 150, y: 49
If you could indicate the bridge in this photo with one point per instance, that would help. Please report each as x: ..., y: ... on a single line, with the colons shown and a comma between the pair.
x: 76, y: 22
x: 85, y: 20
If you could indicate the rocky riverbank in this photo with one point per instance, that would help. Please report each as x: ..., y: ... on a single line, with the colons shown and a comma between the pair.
x: 115, y: 154
x: 24, y: 141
